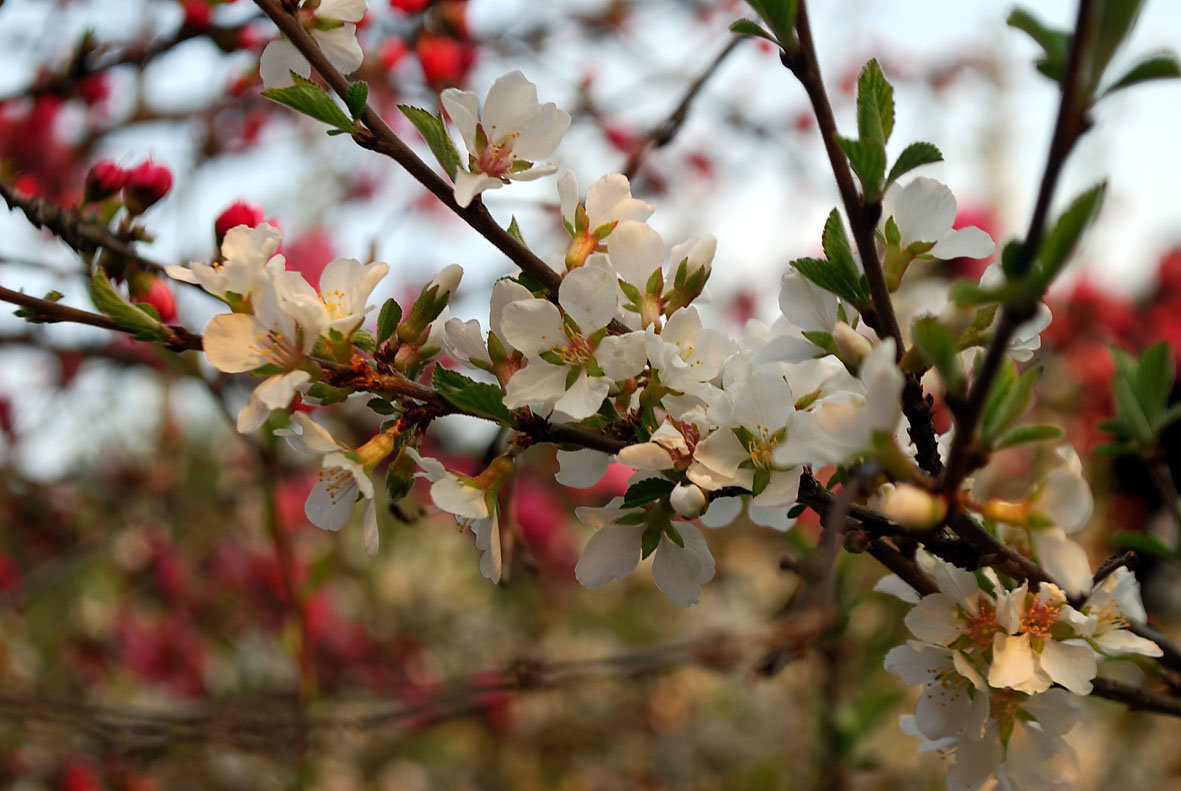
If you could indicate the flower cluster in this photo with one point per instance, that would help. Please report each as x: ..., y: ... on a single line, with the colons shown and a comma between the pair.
x: 997, y: 666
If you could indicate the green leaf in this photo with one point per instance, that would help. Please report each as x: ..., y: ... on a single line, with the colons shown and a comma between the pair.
x: 1011, y: 263
x: 1154, y: 381
x: 325, y: 394
x: 1131, y: 414
x: 913, y: 156
x: 1033, y: 432
x: 820, y: 339
x: 1114, y: 449
x: 363, y: 339
x: 1155, y: 67
x: 674, y: 535
x: 1060, y: 242
x: 514, y: 230
x: 435, y: 134
x: 780, y: 16
x: 355, y: 98
x: 310, y: 99
x: 646, y: 491
x: 875, y: 105
x: 941, y: 348
x: 1116, y: 18
x: 868, y: 160
x: 749, y: 28
x: 111, y: 303
x: 475, y: 398
x: 1055, y: 43
x: 381, y: 406
x: 761, y: 480
x: 822, y: 274
x: 1142, y: 542
x: 388, y: 320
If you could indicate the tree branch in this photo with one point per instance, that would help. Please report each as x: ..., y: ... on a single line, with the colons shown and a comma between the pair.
x: 1070, y: 125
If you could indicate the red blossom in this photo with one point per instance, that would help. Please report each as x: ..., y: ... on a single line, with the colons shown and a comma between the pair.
x: 146, y: 184
x: 237, y: 213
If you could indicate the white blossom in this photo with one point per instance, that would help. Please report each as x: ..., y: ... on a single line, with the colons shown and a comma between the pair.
x: 332, y: 24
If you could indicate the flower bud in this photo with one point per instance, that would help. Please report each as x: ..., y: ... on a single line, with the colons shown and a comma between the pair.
x: 104, y: 180
x: 852, y: 346
x: 430, y: 303
x: 912, y: 507
x: 688, y: 500
x: 146, y: 184
x: 237, y: 213
x: 151, y: 290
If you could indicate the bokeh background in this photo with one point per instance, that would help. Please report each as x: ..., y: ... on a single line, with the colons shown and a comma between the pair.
x: 168, y: 618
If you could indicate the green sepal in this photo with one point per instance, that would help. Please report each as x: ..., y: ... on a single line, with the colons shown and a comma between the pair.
x: 474, y: 398
x: 649, y: 541
x: 388, y: 320
x: 128, y: 315
x: 381, y: 406
x: 1033, y: 432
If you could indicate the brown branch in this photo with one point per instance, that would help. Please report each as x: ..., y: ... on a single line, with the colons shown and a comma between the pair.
x: 664, y: 132
x: 863, y: 217
x: 1070, y: 125
x: 376, y: 135
x: 46, y: 312
x: 1135, y: 698
x: 82, y: 236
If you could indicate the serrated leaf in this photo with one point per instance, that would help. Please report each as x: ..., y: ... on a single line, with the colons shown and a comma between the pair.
x: 875, y: 105
x: 111, y: 303
x: 1061, y: 241
x: 388, y: 320
x: 381, y: 406
x: 1034, y: 432
x: 646, y: 491
x: 941, y: 348
x: 750, y: 28
x: 1154, y: 67
x: 1055, y: 44
x: 913, y: 156
x: 868, y: 160
x: 825, y: 276
x: 433, y: 131
x: 355, y: 98
x: 1142, y: 542
x: 474, y: 398
x: 313, y: 101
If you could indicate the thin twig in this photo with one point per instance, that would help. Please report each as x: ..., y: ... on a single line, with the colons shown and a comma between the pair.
x: 1135, y: 698
x: 663, y: 133
x: 1070, y: 125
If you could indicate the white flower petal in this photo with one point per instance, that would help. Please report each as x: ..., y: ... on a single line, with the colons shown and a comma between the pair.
x: 680, y: 573
x: 590, y: 297
x: 612, y: 553
x: 581, y: 468
x: 279, y: 58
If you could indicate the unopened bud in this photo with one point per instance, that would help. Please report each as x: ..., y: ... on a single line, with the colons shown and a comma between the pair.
x: 912, y: 507
x: 852, y: 346
x: 430, y: 303
x: 688, y: 500
x: 376, y: 449
x: 146, y: 184
x: 104, y: 180
x: 151, y: 290
x: 237, y: 213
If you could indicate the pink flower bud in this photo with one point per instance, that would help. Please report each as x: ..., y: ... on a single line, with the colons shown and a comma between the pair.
x: 104, y: 180
x: 153, y: 291
x: 147, y: 183
x: 197, y: 15
x: 237, y: 213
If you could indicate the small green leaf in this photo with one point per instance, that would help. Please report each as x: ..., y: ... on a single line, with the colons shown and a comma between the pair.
x: 1131, y: 414
x: 1055, y: 43
x: 388, y: 320
x: 868, y: 160
x: 761, y: 480
x: 474, y: 398
x: 875, y: 105
x: 111, y: 303
x: 674, y: 535
x: 796, y: 510
x: 363, y: 339
x: 1033, y: 432
x: 514, y: 230
x: 355, y: 98
x: 646, y: 491
x: 1116, y: 18
x: 780, y: 16
x: 1154, y: 381
x: 1142, y: 542
x: 941, y: 348
x: 435, y: 134
x: 749, y: 28
x: 381, y: 406
x: 1155, y: 67
x: 820, y: 339
x: 325, y: 394
x: 310, y: 99
x: 1061, y: 241
x: 1010, y: 405
x: 913, y: 156
x: 632, y: 518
